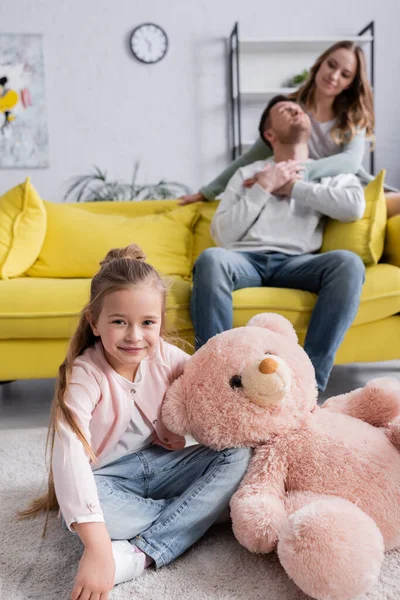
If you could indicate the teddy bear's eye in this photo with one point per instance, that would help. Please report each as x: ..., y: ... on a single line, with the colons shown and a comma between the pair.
x: 236, y: 381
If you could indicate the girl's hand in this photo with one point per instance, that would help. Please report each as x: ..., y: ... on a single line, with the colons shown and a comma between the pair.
x: 191, y: 199
x: 95, y: 577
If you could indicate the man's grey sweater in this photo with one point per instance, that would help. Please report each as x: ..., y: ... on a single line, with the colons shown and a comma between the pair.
x: 253, y: 220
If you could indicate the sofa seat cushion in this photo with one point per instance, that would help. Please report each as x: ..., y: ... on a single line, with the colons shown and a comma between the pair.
x: 49, y: 308
x: 380, y: 299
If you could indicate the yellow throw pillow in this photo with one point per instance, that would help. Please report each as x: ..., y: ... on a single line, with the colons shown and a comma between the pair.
x: 365, y: 237
x: 392, y: 241
x: 201, y: 234
x: 22, y: 229
x: 76, y: 240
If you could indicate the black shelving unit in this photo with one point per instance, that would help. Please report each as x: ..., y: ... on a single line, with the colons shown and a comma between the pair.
x: 236, y: 142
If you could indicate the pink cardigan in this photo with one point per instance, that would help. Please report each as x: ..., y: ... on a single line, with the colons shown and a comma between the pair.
x: 102, y: 403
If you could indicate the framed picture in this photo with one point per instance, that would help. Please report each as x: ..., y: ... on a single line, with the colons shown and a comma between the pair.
x: 23, y: 122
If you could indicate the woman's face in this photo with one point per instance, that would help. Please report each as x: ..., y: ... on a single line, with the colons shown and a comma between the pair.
x: 336, y: 72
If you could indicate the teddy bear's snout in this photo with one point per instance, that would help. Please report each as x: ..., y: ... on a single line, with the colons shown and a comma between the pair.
x: 266, y: 382
x: 268, y: 366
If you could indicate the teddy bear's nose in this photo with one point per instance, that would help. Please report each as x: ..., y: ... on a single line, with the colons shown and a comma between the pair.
x: 268, y: 366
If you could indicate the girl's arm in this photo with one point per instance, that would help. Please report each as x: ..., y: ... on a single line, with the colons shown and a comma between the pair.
x: 175, y: 358
x: 73, y: 477
x: 349, y: 160
x: 258, y: 151
x: 96, y: 568
x: 76, y: 488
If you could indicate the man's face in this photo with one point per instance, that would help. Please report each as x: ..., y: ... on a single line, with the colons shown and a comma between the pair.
x: 288, y: 124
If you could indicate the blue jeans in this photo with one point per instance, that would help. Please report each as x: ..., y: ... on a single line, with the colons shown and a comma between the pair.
x: 163, y: 501
x: 337, y: 277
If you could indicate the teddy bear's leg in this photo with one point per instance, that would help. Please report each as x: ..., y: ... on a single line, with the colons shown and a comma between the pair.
x: 331, y: 549
x: 377, y: 403
x: 257, y: 520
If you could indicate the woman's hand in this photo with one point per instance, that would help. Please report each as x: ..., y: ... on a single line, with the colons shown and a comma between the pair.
x: 191, y: 199
x: 95, y: 577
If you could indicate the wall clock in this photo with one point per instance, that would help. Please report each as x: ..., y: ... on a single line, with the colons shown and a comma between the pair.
x: 149, y: 43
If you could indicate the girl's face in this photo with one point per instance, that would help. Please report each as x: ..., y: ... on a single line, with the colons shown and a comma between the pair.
x: 129, y: 327
x: 336, y: 72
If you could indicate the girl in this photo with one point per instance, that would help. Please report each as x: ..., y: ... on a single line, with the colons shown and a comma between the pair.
x: 338, y: 99
x: 113, y: 473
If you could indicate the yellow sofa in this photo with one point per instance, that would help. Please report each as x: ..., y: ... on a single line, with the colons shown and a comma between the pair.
x: 39, y: 308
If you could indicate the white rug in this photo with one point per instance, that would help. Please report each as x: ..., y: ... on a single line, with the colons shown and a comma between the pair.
x: 217, y: 568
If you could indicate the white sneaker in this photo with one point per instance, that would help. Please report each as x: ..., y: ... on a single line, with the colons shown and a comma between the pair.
x: 128, y: 562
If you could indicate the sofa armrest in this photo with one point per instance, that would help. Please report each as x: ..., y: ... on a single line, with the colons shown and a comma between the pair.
x: 392, y: 242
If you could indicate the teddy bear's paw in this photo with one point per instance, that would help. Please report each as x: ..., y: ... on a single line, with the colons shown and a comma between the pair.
x: 331, y: 549
x: 377, y: 403
x: 393, y: 432
x: 257, y: 520
x: 382, y: 399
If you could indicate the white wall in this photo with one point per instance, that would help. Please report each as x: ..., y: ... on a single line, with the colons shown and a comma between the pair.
x: 105, y: 108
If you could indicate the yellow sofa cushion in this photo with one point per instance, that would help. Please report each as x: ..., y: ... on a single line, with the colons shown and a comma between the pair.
x: 127, y: 209
x: 365, y: 237
x: 22, y: 229
x: 77, y: 240
x: 47, y: 308
x: 392, y: 241
x: 380, y: 299
x: 202, y: 235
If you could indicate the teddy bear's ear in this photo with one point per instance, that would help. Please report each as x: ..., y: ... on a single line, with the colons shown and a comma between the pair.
x: 173, y: 409
x: 275, y: 323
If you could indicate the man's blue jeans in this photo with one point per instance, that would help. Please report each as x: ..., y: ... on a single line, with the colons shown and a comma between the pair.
x: 337, y: 277
x: 163, y: 501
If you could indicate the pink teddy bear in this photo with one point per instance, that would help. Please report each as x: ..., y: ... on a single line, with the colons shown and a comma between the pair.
x: 323, y: 486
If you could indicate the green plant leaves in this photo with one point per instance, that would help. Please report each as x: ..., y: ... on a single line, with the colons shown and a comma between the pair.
x: 94, y: 187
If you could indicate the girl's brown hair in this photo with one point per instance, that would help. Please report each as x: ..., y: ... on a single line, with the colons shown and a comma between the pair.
x: 122, y: 268
x: 353, y: 107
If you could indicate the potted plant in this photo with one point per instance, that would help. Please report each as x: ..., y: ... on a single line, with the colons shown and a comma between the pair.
x: 95, y: 186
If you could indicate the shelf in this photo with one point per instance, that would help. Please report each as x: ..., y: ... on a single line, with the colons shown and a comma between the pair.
x: 263, y: 94
x: 297, y: 44
x: 260, y: 68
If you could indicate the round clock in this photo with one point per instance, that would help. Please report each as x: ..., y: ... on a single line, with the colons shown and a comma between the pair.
x: 149, y: 43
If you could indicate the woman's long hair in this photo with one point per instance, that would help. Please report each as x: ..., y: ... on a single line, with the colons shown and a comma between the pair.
x: 354, y: 107
x: 122, y: 268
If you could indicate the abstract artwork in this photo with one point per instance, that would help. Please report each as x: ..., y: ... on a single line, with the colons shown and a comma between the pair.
x: 23, y: 123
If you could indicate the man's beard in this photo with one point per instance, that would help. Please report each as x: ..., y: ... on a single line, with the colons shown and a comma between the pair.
x: 298, y: 132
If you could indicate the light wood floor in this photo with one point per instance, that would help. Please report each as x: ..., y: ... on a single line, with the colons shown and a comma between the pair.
x: 26, y: 404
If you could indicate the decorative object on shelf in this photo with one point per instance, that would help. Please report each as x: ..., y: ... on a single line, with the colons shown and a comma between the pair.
x: 298, y: 79
x: 23, y: 125
x: 95, y: 187
x: 149, y: 43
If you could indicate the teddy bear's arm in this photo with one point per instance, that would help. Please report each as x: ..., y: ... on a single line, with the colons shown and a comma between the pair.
x: 377, y: 403
x: 257, y: 508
